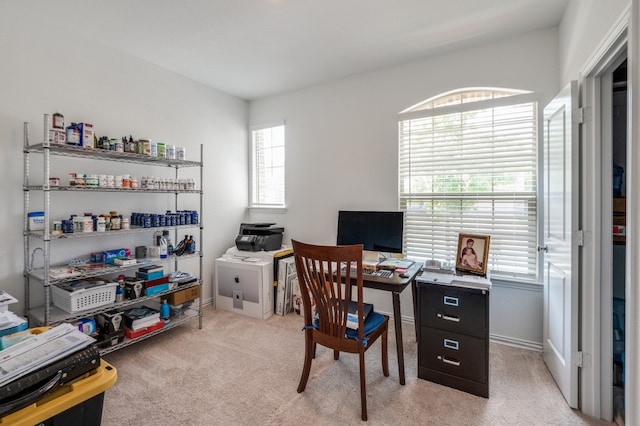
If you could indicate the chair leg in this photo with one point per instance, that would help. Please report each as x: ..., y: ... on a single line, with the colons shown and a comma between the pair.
x: 309, y: 353
x: 336, y: 355
x: 385, y: 354
x: 363, y: 387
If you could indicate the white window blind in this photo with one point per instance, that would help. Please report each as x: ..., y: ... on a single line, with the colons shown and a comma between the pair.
x: 267, y: 166
x: 468, y: 164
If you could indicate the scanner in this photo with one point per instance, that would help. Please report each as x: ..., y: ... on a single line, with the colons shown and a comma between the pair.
x: 259, y: 236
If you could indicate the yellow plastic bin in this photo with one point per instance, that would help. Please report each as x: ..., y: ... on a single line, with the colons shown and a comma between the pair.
x: 77, y: 403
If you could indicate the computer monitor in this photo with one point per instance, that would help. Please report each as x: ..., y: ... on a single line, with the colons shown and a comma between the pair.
x: 376, y: 230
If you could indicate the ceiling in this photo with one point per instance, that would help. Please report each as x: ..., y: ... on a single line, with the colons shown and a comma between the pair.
x: 256, y: 48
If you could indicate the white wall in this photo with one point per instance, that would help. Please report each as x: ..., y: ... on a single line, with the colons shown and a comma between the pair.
x: 46, y: 68
x: 584, y: 26
x: 342, y: 148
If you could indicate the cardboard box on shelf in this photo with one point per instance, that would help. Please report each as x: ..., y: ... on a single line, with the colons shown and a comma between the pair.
x: 183, y: 296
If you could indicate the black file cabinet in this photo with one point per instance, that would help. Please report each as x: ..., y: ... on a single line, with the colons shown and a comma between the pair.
x: 453, y: 336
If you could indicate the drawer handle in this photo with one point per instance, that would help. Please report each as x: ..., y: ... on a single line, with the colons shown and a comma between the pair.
x: 449, y: 318
x: 451, y: 344
x: 446, y: 360
x: 451, y: 301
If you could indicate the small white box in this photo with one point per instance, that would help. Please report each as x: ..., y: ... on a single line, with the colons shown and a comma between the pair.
x: 124, y: 262
x: 36, y: 221
x: 57, y: 136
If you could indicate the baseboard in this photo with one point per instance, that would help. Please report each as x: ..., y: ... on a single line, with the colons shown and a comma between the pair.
x: 517, y: 343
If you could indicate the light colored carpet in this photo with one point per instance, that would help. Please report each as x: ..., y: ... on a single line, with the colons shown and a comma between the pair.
x: 242, y: 371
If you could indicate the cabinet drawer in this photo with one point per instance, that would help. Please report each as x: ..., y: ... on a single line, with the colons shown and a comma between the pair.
x: 457, y: 309
x: 456, y: 354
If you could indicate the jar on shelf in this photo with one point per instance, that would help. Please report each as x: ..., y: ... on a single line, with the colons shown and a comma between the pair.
x: 79, y: 179
x: 102, y: 224
x: 92, y: 180
x: 181, y: 153
x: 57, y: 121
x: 115, y: 223
x: 171, y: 151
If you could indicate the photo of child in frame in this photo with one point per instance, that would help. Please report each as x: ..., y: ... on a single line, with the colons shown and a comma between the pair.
x: 473, y: 252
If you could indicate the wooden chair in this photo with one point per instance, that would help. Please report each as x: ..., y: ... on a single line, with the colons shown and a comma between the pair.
x: 320, y: 271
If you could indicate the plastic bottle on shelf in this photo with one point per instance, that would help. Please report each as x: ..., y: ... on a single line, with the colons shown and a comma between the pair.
x: 169, y: 245
x: 120, y: 289
x: 165, y: 312
x: 191, y: 247
x: 163, y: 245
x: 156, y: 238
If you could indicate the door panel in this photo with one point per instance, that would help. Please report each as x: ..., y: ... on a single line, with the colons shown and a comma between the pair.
x: 560, y: 157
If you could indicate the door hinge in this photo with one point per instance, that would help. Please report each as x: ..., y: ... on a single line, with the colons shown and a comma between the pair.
x: 584, y: 114
x: 580, y: 238
x: 581, y: 359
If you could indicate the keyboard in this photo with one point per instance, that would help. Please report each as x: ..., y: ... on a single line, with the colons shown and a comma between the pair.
x: 369, y: 273
x: 379, y: 273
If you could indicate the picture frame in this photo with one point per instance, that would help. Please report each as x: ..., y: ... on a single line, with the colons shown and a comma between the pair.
x: 473, y: 253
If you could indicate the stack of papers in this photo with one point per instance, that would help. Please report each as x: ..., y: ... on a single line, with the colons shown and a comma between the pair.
x: 6, y: 299
x: 40, y: 350
x: 393, y: 264
x: 9, y: 322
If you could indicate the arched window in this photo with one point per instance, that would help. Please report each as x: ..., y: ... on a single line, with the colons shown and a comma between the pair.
x: 468, y: 164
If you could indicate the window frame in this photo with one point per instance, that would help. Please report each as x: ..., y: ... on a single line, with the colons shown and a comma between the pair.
x: 519, y: 97
x: 253, y: 167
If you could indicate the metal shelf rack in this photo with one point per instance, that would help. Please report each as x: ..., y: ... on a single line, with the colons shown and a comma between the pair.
x: 47, y: 313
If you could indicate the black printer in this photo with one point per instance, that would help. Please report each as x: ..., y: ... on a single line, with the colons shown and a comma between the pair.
x: 259, y: 236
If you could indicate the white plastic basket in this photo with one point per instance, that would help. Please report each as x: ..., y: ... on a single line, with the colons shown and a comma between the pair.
x: 83, y: 298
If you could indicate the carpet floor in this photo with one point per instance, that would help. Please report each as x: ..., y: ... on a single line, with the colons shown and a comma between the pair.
x: 242, y: 371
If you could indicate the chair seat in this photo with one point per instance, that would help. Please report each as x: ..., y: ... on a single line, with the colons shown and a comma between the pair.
x: 371, y: 324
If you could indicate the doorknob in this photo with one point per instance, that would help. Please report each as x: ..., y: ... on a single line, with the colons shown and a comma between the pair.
x: 542, y: 248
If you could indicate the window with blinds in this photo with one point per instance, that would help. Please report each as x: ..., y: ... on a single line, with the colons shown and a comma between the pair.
x: 468, y: 164
x: 267, y: 166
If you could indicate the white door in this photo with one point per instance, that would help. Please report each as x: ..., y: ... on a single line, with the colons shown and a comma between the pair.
x: 561, y: 167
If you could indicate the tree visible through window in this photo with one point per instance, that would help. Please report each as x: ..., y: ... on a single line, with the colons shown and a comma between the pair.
x: 267, y: 166
x: 468, y: 163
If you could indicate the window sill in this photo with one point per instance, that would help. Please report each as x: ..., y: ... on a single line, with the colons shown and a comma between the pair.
x: 278, y: 210
x: 520, y: 284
